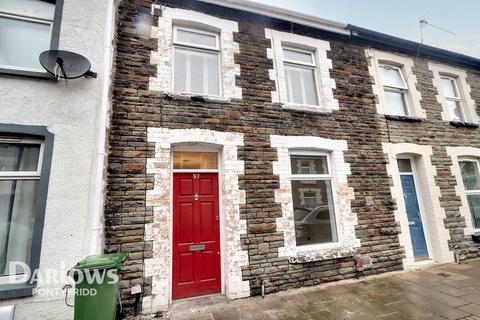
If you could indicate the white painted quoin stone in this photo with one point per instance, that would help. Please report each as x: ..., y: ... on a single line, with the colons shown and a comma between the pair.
x: 159, y: 267
x: 432, y: 214
x: 163, y: 58
x: 346, y: 219
x: 467, y: 103
x: 457, y: 153
x: 413, y: 97
x: 325, y: 83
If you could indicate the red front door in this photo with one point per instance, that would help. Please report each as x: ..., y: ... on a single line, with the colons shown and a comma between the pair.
x: 196, y: 235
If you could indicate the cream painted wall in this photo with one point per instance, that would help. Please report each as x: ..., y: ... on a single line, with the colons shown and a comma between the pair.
x: 72, y: 114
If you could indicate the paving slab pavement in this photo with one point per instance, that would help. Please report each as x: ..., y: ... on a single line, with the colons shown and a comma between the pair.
x: 450, y: 291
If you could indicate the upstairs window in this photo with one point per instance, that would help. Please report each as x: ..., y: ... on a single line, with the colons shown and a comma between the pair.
x: 196, y: 62
x: 300, y: 76
x: 313, y: 204
x: 26, y: 28
x: 395, y: 89
x: 471, y: 181
x: 452, y: 97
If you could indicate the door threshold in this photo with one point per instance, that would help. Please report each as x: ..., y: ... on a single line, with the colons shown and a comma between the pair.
x: 422, y: 264
x: 207, y: 296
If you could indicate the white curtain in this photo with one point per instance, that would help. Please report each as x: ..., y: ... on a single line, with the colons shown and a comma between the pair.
x: 17, y: 211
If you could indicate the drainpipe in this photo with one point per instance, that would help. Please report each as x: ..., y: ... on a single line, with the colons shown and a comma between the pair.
x: 96, y: 225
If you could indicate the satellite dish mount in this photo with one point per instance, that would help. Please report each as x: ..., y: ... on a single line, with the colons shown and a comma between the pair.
x: 66, y: 65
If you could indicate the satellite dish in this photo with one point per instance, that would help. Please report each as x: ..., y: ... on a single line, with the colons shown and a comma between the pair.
x: 66, y: 64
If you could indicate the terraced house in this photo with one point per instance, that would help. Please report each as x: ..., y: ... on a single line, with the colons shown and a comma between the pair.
x: 252, y: 148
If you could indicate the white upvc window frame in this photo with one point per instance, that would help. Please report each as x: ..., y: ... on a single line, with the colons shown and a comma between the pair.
x: 305, y: 65
x: 458, y: 98
x: 470, y: 192
x: 195, y: 45
x: 188, y: 46
x: 23, y: 175
x: 314, y: 177
x: 402, y: 90
x: 30, y: 18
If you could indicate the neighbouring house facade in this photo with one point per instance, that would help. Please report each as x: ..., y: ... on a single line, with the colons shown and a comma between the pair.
x: 52, y: 149
x: 253, y: 148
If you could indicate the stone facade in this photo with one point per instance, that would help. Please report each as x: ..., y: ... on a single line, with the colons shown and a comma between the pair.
x: 146, y: 120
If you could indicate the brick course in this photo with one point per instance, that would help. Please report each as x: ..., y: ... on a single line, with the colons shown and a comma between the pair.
x: 136, y: 108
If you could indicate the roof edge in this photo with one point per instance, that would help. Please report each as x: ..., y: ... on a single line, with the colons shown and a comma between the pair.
x: 412, y: 47
x: 396, y: 43
x: 283, y: 14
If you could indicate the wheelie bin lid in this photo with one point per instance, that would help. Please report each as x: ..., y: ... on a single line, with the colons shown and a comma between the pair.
x: 101, y: 262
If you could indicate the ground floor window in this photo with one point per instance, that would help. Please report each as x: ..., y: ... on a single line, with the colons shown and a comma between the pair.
x: 471, y: 181
x: 312, y: 194
x: 20, y: 167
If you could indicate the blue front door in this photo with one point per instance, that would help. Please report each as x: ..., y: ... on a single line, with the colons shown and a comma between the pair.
x: 414, y: 220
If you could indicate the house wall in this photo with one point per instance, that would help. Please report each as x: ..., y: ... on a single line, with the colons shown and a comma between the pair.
x: 138, y: 109
x: 71, y: 113
x: 441, y: 135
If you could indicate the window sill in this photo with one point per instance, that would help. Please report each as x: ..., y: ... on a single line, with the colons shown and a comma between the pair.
x: 403, y: 118
x: 307, y: 108
x: 12, y: 291
x: 304, y: 254
x: 196, y: 97
x: 464, y: 124
x: 27, y: 74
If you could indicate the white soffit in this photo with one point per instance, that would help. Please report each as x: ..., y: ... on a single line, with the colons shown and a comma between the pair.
x: 283, y: 14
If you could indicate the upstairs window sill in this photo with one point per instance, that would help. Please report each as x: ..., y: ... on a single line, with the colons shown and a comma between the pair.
x: 462, y: 124
x: 196, y: 97
x: 403, y: 118
x: 307, y: 108
x: 27, y: 74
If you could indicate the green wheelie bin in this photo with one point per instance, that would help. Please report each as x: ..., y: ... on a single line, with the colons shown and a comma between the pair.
x: 96, y: 286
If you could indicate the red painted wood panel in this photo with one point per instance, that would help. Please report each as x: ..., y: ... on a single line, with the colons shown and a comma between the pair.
x: 195, y: 222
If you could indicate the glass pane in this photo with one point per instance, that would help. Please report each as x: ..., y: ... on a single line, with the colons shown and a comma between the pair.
x: 396, y: 103
x: 197, y: 72
x: 404, y: 165
x: 448, y: 87
x: 309, y: 164
x: 213, y: 85
x: 470, y: 175
x: 17, y: 217
x: 197, y: 38
x: 35, y: 8
x: 180, y: 75
x: 19, y: 157
x: 391, y: 77
x: 314, y: 212
x: 21, y: 42
x: 310, y: 87
x: 302, y: 57
x: 294, y: 84
x: 195, y: 160
x: 302, y: 88
x: 474, y: 203
x: 454, y: 110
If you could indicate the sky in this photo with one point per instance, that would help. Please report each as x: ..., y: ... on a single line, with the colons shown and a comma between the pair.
x: 401, y: 18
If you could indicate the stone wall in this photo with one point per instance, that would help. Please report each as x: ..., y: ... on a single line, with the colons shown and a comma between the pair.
x: 136, y: 108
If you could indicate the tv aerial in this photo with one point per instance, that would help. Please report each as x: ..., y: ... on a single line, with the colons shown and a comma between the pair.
x: 66, y: 65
